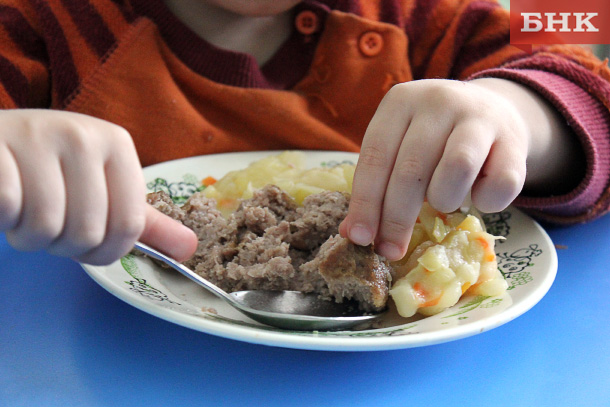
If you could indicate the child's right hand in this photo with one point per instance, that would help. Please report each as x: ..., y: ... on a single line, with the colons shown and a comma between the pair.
x: 438, y: 139
x: 72, y: 185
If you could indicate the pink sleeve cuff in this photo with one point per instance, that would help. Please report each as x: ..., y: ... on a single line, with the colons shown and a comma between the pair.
x: 589, y: 120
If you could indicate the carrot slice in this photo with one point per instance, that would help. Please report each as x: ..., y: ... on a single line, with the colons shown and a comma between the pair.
x: 207, y: 181
x: 422, y: 294
x: 484, y: 243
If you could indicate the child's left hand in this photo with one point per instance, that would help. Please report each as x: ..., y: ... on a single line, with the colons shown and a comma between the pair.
x: 438, y: 140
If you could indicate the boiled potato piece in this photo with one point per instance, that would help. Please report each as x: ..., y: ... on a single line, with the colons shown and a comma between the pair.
x: 439, y: 272
x: 287, y: 171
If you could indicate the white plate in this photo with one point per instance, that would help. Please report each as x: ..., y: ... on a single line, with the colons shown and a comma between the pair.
x: 527, y: 258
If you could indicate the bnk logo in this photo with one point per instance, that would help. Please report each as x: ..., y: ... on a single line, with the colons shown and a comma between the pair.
x: 532, y: 22
x: 559, y: 22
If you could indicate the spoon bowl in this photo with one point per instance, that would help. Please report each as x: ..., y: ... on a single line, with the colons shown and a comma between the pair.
x: 282, y: 309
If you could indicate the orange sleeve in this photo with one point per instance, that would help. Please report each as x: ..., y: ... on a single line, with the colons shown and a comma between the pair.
x: 48, y: 47
x: 24, y: 73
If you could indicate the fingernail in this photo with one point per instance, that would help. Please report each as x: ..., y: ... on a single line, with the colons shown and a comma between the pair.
x: 360, y: 235
x: 187, y: 244
x: 390, y: 251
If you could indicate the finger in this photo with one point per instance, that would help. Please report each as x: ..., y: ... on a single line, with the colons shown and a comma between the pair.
x: 168, y: 235
x: 418, y: 156
x: 86, y: 205
x: 11, y: 193
x: 502, y: 177
x: 126, y: 216
x: 44, y: 201
x: 377, y: 155
x: 463, y: 157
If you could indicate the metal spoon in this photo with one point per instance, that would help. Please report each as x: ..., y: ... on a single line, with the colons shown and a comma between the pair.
x: 283, y: 309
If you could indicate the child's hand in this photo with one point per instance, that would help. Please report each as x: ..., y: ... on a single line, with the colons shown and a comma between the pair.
x: 440, y: 139
x: 72, y: 185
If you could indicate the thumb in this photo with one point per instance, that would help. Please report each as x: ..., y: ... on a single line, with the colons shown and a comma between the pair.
x: 168, y: 235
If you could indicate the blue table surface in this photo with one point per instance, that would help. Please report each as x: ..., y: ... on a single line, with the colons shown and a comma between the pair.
x: 65, y: 341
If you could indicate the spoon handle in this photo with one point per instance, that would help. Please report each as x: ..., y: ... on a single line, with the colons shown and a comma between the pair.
x: 185, y: 271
